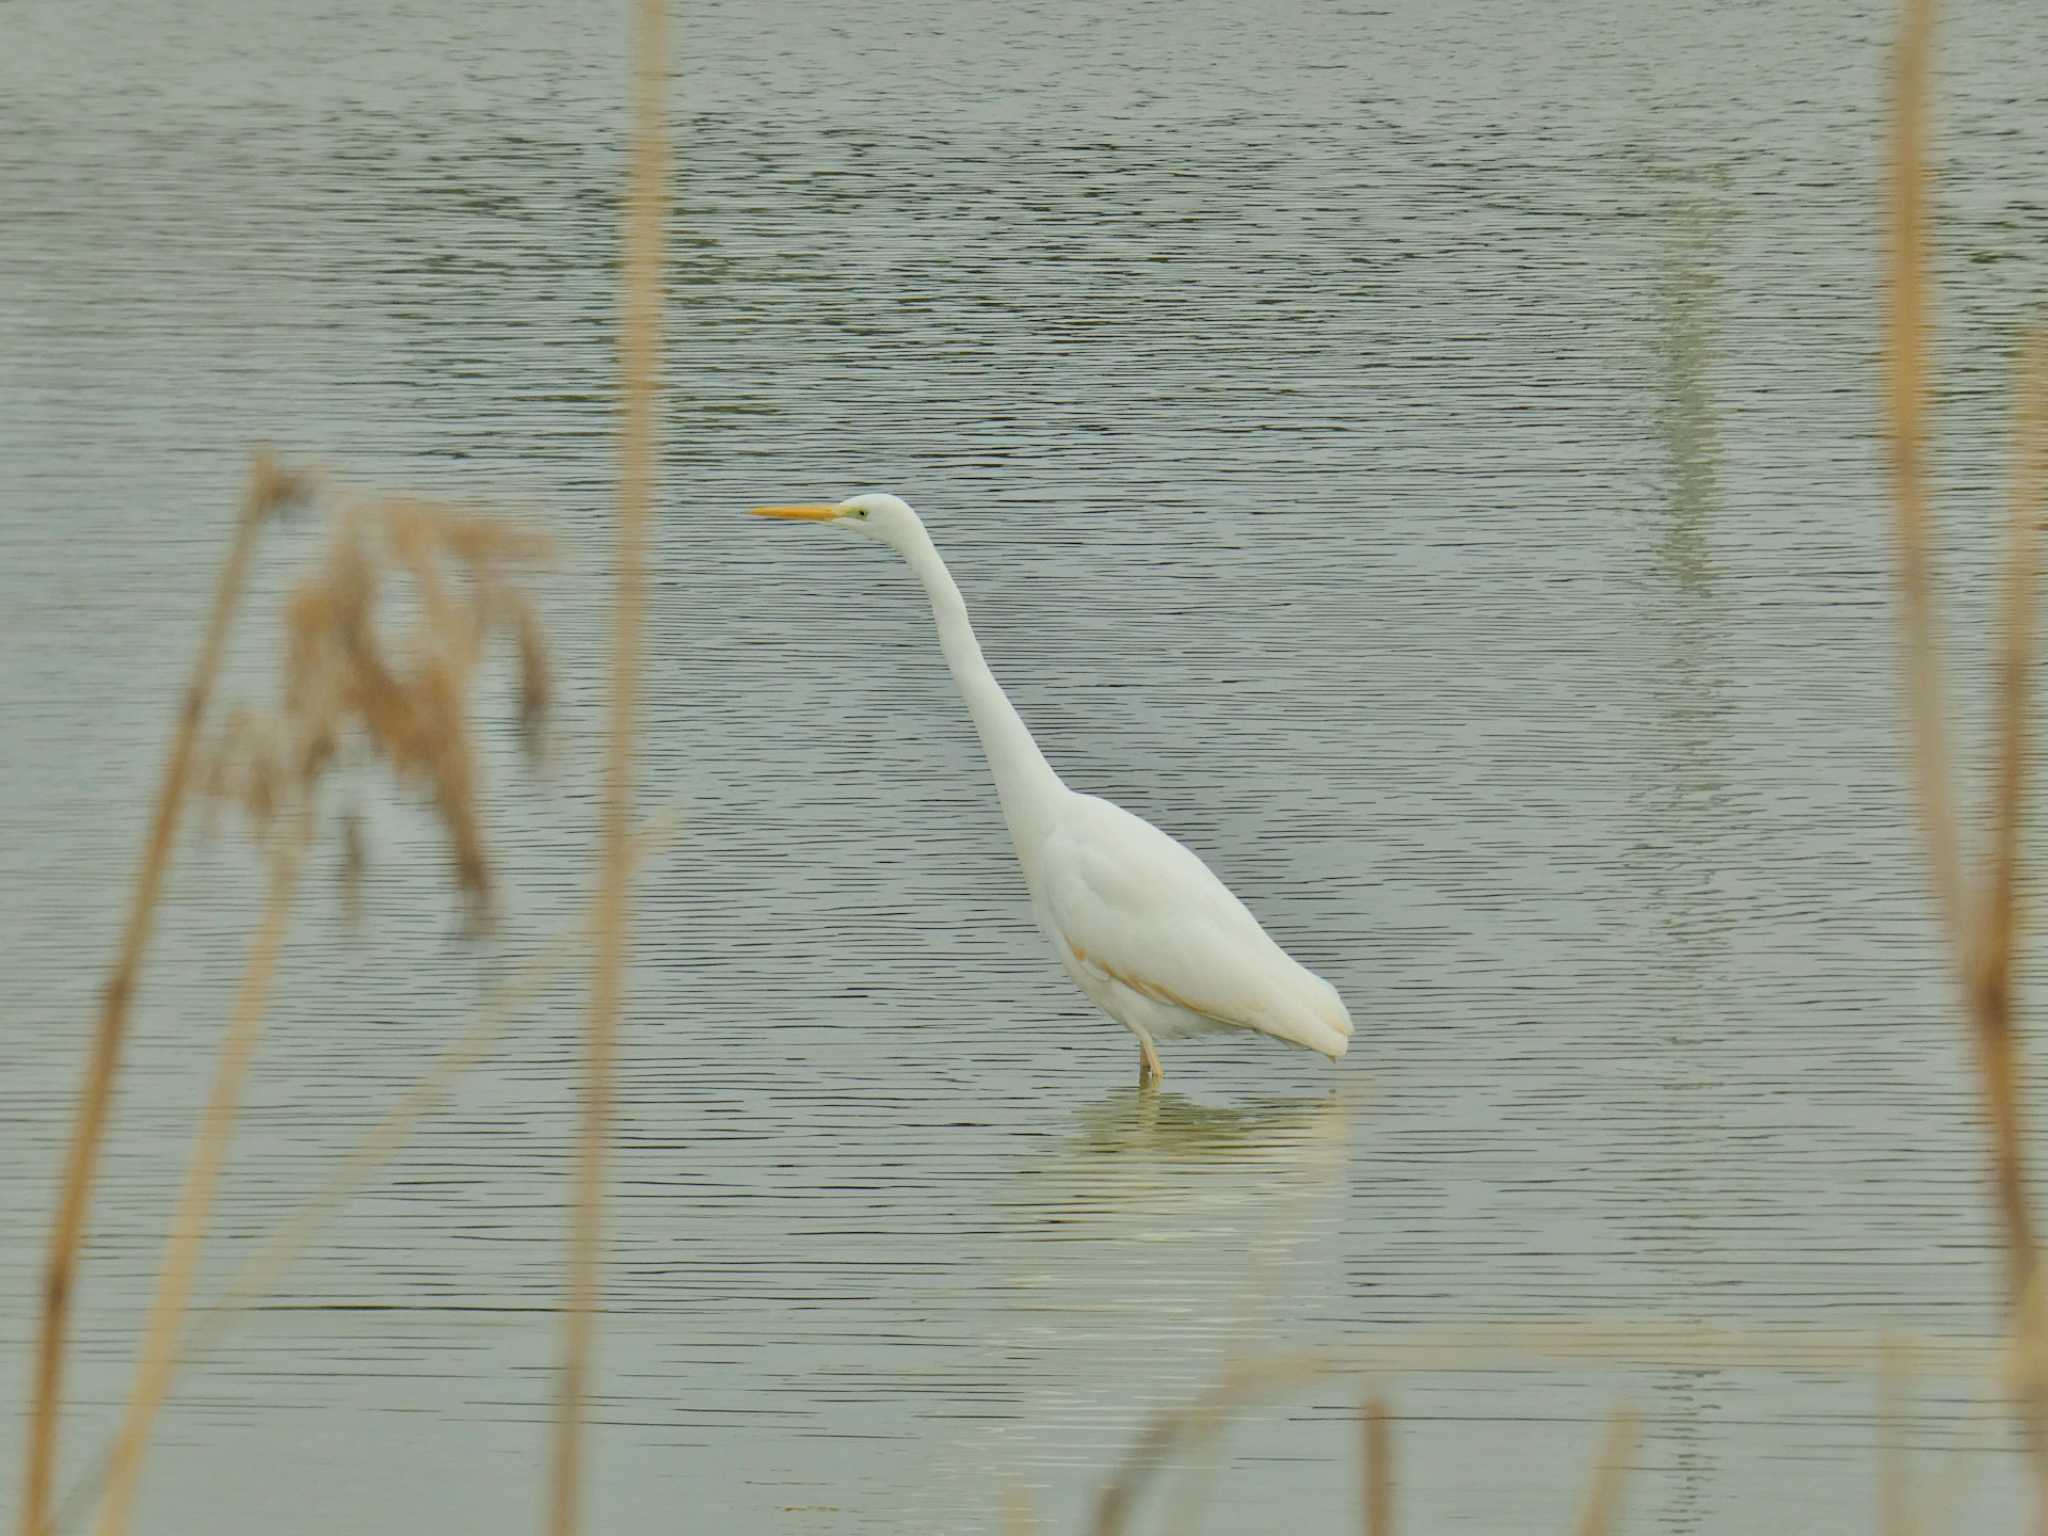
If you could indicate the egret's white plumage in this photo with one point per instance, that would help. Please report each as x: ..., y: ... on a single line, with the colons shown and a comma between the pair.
x: 1139, y: 921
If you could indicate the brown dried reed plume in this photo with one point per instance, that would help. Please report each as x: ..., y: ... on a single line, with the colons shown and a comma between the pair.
x: 341, y: 690
x: 339, y: 672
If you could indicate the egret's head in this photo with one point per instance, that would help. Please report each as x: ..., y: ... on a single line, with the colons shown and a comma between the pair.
x: 885, y: 519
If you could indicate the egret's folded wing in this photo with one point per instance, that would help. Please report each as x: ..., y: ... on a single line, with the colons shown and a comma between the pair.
x: 1138, y: 906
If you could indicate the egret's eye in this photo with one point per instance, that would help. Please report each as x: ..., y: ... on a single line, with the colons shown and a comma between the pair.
x: 860, y: 511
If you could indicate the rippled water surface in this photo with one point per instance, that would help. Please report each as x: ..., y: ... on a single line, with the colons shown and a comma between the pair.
x: 1419, y: 454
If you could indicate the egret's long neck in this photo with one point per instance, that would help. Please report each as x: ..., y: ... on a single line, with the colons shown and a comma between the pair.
x: 1024, y: 779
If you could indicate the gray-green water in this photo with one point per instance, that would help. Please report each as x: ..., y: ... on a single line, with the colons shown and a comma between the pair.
x: 1422, y: 455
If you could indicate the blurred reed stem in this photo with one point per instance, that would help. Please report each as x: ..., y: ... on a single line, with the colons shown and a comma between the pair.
x: 1990, y: 979
x: 1894, y: 1472
x: 1602, y: 1509
x: 1980, y: 933
x: 1905, y: 400
x: 259, y: 1273
x: 1246, y: 1382
x: 1018, y: 1520
x: 1377, y: 1451
x: 640, y: 362
x: 270, y: 487
x: 159, y: 1354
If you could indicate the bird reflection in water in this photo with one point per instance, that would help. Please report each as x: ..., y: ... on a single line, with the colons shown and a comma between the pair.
x: 1165, y: 1239
x: 1170, y: 1128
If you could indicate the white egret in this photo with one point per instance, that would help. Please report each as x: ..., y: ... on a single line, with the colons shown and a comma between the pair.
x: 1140, y: 922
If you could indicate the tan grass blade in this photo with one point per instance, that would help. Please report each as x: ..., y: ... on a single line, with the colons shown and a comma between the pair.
x: 195, y: 1200
x: 1981, y: 939
x: 640, y: 360
x: 1240, y: 1385
x: 260, y: 1271
x: 1989, y: 969
x: 1377, y: 1449
x: 1628, y: 1344
x: 1894, y: 1474
x: 1905, y: 366
x: 270, y: 488
x: 1602, y: 1508
x: 1989, y: 965
x: 1018, y: 1519
x: 1992, y: 984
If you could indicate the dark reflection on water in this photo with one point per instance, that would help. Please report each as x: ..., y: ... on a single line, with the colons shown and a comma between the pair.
x: 1688, y: 799
x: 1422, y: 460
x: 1167, y: 1128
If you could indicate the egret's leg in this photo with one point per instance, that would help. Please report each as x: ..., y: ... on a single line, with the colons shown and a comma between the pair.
x: 1149, y: 1070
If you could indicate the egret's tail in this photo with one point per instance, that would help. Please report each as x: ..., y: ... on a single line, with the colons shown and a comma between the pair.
x: 1317, y: 1019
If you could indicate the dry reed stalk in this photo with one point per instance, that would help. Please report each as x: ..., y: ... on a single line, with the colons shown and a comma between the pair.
x: 1240, y: 1385
x: 1902, y: 1356
x: 1894, y: 1475
x: 259, y: 1273
x: 1018, y: 1520
x: 1603, y: 1496
x: 159, y: 1351
x: 1377, y: 1452
x: 1997, y: 1031
x: 640, y: 361
x: 1981, y: 938
x: 333, y: 676
x: 1988, y: 964
x: 1905, y: 403
x: 270, y: 488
